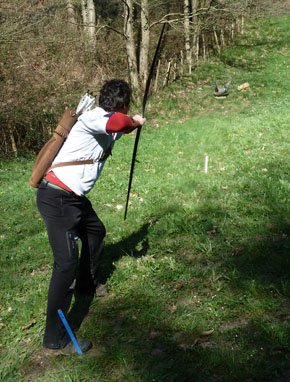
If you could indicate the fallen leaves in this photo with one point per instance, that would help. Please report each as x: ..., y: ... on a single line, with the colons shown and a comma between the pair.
x: 213, y: 231
x: 244, y: 86
x: 172, y: 308
x: 152, y: 335
x: 207, y: 332
x: 28, y: 326
x: 202, y: 339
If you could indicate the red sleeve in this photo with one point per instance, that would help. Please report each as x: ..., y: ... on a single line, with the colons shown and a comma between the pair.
x: 119, y: 122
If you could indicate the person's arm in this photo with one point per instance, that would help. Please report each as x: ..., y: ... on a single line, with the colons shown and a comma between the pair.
x: 122, y: 123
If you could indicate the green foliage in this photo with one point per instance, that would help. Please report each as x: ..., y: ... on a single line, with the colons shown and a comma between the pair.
x: 198, y: 251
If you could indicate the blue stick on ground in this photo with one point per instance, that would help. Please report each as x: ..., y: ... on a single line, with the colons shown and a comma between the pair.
x: 70, y: 333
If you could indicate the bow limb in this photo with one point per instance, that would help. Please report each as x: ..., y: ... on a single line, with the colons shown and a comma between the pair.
x: 143, y: 113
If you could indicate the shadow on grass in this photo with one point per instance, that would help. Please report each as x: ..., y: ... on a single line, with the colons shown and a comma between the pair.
x: 144, y: 341
x: 127, y: 246
x: 150, y: 348
x: 112, y: 253
x: 144, y: 345
x: 265, y: 260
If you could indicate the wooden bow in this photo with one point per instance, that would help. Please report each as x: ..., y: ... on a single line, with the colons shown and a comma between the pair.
x: 143, y: 114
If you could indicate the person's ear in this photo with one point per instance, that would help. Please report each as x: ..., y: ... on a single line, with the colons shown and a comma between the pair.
x: 124, y: 109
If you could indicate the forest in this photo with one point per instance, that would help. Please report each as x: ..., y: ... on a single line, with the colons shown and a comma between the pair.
x: 52, y: 52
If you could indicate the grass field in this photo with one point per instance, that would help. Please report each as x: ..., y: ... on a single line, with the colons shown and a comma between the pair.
x: 198, y: 274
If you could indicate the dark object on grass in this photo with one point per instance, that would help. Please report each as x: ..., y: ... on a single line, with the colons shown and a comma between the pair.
x: 222, y: 91
x: 69, y: 349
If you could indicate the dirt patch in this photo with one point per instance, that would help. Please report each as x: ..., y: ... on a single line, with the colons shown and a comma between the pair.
x: 242, y: 323
x: 37, y: 366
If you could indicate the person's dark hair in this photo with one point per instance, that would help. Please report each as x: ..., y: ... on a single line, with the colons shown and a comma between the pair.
x: 114, y: 95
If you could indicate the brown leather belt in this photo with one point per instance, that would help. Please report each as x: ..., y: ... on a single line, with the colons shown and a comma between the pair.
x: 62, y: 164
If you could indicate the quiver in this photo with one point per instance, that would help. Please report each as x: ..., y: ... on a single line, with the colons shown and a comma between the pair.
x: 49, y: 151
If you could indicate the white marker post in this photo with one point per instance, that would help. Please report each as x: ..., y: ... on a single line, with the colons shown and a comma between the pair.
x: 206, y: 164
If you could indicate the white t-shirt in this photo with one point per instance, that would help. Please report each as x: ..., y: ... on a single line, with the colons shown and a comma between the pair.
x: 88, y: 139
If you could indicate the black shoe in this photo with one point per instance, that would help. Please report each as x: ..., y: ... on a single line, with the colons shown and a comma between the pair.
x: 70, y: 349
x: 98, y: 290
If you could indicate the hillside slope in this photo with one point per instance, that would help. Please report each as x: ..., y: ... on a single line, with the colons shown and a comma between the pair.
x: 198, y: 275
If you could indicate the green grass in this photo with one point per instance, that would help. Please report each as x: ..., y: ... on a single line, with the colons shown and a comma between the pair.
x: 197, y: 252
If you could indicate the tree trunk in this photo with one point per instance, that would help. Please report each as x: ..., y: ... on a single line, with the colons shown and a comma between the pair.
x: 233, y: 31
x: 130, y: 44
x: 203, y: 46
x: 223, y: 38
x: 167, y: 75
x: 157, y: 76
x: 71, y: 17
x: 175, y: 74
x: 91, y: 21
x: 85, y: 15
x: 181, y: 64
x: 195, y: 27
x: 144, y: 51
x: 217, y: 41
x: 187, y: 35
x: 242, y: 24
x: 12, y: 139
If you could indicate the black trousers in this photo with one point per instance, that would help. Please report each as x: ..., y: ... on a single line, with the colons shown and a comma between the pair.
x: 67, y: 218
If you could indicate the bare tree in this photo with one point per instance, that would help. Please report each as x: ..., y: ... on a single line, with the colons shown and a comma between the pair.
x: 187, y: 35
x: 89, y: 19
x: 71, y: 14
x: 195, y: 30
x: 85, y: 15
x: 144, y: 51
x: 130, y: 43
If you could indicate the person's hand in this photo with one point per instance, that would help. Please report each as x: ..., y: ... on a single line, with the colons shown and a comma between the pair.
x: 139, y: 120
